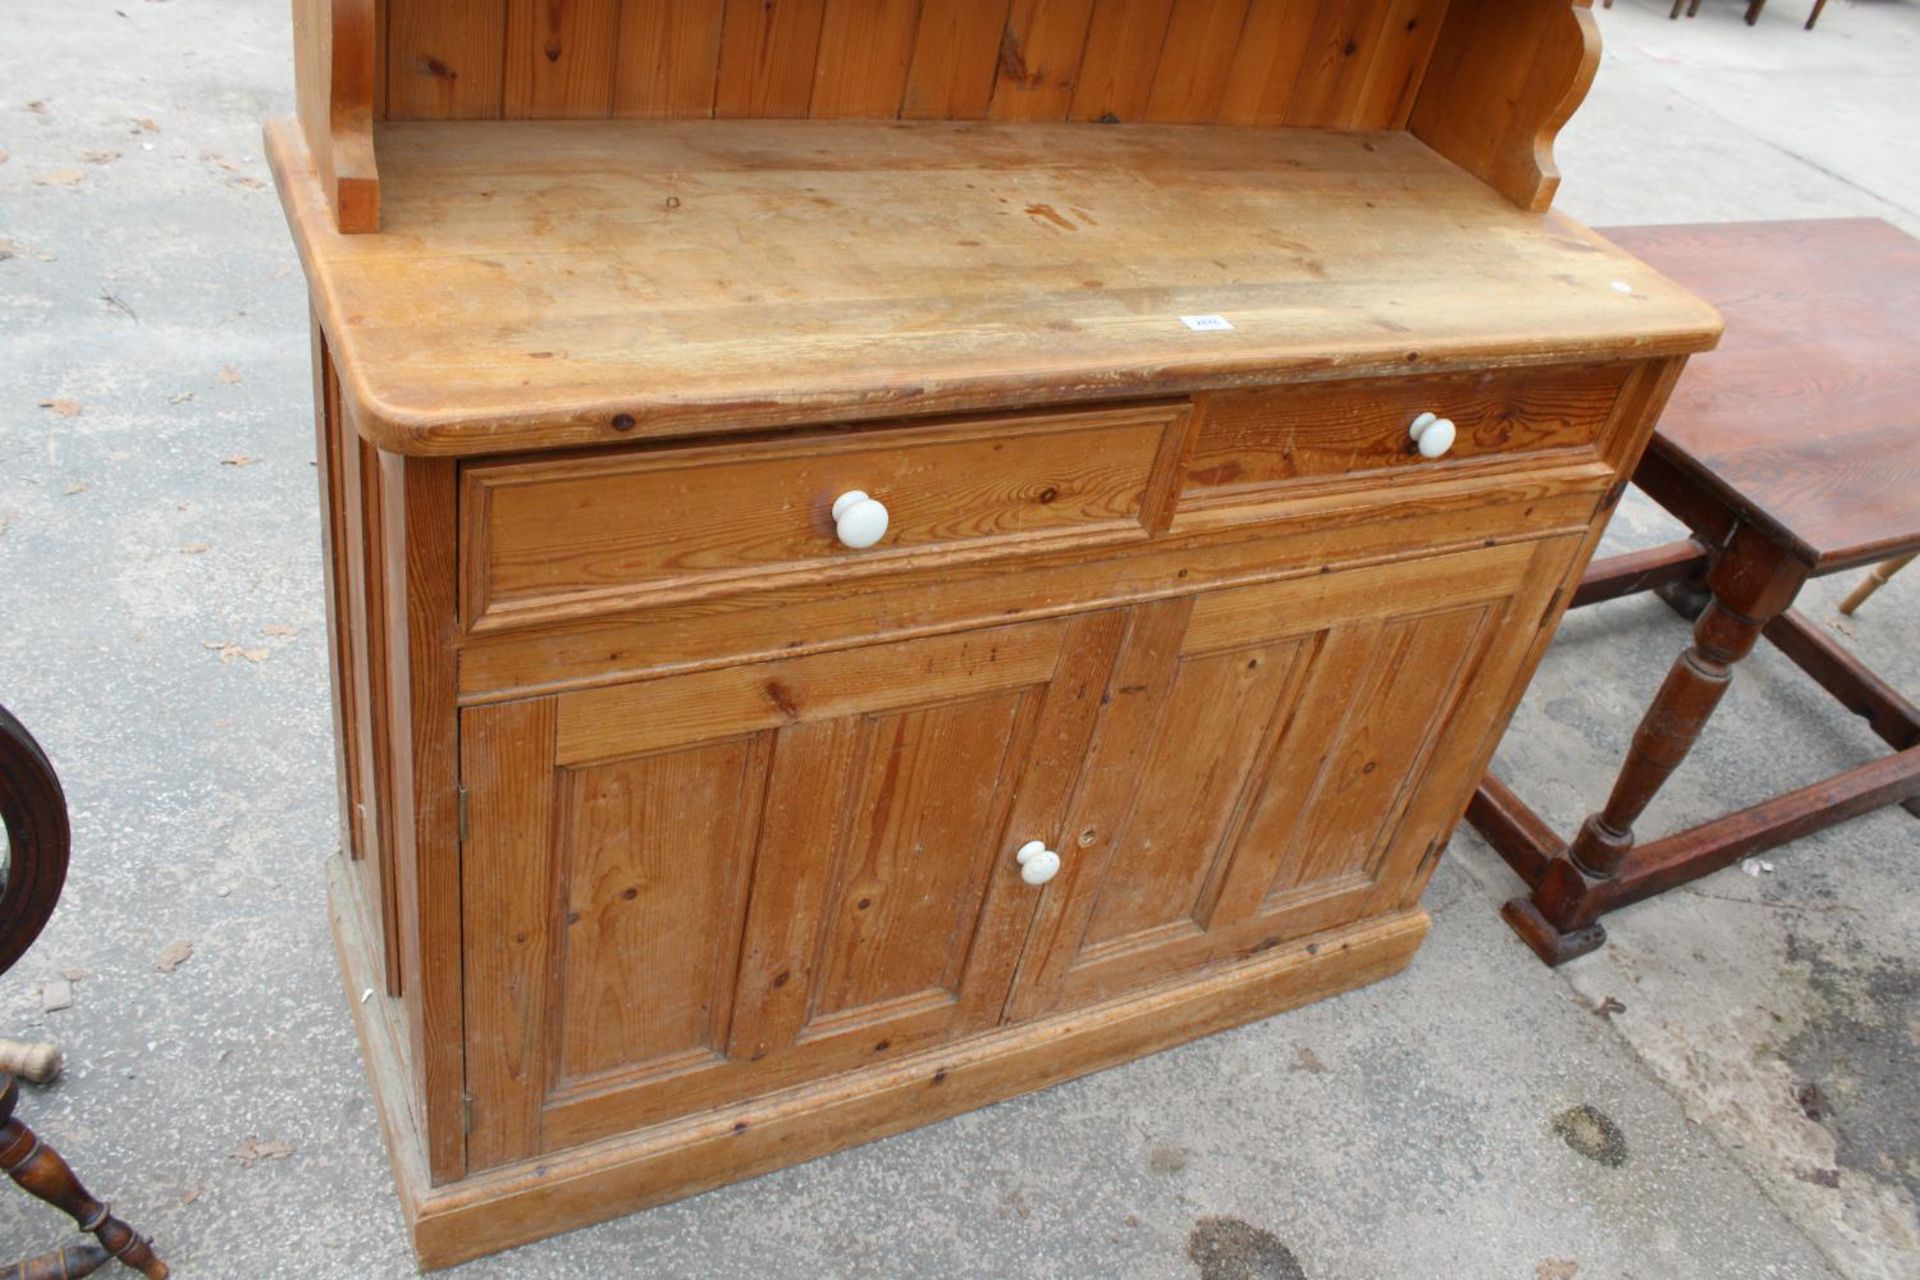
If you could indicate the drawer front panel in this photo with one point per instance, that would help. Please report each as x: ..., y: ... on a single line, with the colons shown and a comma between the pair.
x: 547, y: 538
x: 1257, y: 440
x: 1212, y: 546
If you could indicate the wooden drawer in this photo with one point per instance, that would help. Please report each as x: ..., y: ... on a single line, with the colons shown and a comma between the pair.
x: 548, y: 539
x: 1317, y: 432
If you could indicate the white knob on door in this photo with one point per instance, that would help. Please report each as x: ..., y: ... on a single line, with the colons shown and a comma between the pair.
x: 1433, y: 434
x: 858, y: 520
x: 1038, y: 864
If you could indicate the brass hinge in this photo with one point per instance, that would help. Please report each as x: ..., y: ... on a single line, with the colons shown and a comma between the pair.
x: 466, y: 1113
x: 463, y: 815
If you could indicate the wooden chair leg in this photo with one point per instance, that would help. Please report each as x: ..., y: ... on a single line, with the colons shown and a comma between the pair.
x: 38, y: 1062
x: 1677, y: 6
x: 42, y: 1173
x: 1881, y: 573
x: 1814, y: 17
x: 70, y: 1263
x: 1753, y: 11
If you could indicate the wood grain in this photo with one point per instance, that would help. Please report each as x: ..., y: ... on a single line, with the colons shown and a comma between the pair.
x: 336, y: 69
x: 1117, y: 65
x: 1802, y: 421
x: 378, y: 599
x: 1001, y: 286
x: 1097, y: 812
x: 923, y: 835
x: 1039, y: 59
x: 669, y: 59
x: 1267, y: 62
x: 1255, y: 440
x: 560, y: 57
x: 622, y: 720
x: 331, y: 440
x: 1351, y: 64
x: 1504, y: 77
x: 1399, y: 63
x: 507, y: 878
x: 849, y: 860
x: 424, y: 732
x: 956, y: 53
x: 1293, y: 536
x: 1196, y: 58
x: 767, y: 53
x: 1217, y: 714
x: 861, y: 69
x: 655, y: 854
x: 1333, y: 75
x: 1261, y: 782
x: 446, y: 60
x: 603, y: 529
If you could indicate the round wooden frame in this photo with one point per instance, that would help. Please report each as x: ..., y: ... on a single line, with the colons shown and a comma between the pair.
x: 38, y: 837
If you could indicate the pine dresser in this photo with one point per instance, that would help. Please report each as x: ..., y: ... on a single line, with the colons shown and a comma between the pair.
x: 884, y: 554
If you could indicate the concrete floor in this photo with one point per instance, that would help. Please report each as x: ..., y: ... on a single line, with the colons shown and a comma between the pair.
x: 162, y: 635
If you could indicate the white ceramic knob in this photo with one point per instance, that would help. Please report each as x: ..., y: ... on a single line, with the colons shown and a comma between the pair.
x: 1038, y: 864
x: 858, y: 519
x: 1433, y: 434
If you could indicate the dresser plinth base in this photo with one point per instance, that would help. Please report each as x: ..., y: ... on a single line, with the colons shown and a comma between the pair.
x: 536, y: 1198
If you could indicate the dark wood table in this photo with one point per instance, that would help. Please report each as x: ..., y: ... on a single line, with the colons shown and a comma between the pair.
x: 1791, y: 452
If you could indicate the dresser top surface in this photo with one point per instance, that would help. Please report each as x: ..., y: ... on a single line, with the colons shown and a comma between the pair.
x: 534, y: 282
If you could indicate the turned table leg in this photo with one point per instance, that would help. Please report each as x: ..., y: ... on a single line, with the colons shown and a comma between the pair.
x: 40, y: 1170
x: 1749, y: 584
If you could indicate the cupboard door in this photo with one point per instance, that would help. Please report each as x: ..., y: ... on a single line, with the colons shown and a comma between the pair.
x: 1278, y: 759
x: 692, y: 890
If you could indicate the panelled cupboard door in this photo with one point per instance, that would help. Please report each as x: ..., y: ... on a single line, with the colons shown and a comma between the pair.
x: 1279, y: 759
x: 688, y: 891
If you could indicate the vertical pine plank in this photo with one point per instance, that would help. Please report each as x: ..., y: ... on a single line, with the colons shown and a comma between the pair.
x: 862, y: 65
x: 444, y: 59
x: 1122, y: 54
x: 678, y: 826
x: 1128, y: 712
x: 1399, y: 63
x: 669, y: 58
x: 1344, y: 40
x: 1266, y: 66
x: 381, y: 14
x: 507, y: 882
x: 803, y: 821
x: 1191, y: 80
x: 560, y: 58
x: 767, y: 53
x: 1040, y: 51
x: 956, y: 53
